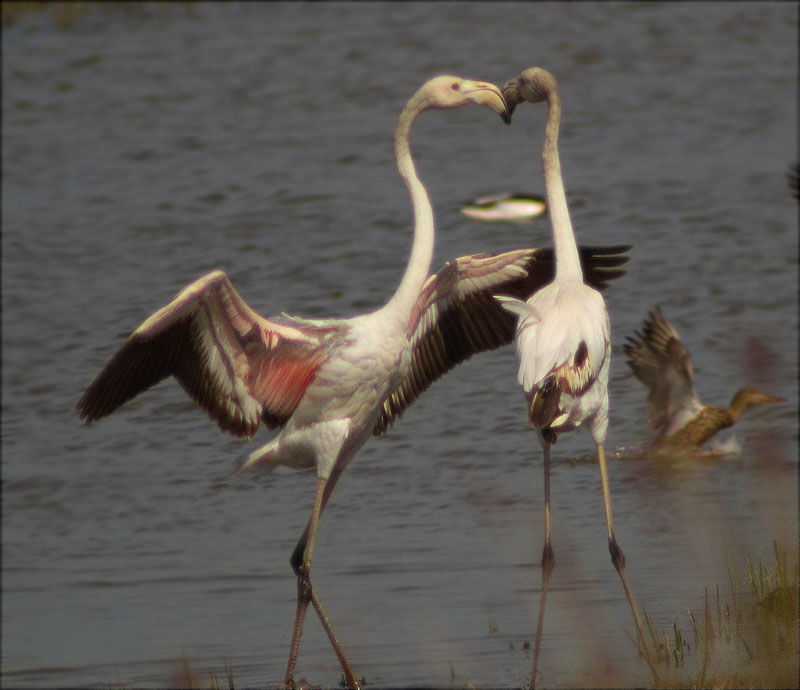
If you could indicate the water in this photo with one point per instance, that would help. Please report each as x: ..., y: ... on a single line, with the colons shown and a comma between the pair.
x: 144, y: 148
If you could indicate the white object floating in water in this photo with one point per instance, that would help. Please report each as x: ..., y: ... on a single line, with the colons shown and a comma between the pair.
x: 518, y: 208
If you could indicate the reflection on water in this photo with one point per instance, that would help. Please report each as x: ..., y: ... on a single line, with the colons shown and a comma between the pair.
x: 141, y: 151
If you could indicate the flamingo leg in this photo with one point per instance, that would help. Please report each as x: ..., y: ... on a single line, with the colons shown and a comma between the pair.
x: 618, y: 558
x: 301, y: 564
x: 548, y: 561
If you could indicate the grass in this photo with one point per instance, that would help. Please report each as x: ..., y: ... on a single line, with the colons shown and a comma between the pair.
x: 188, y: 678
x: 750, y: 641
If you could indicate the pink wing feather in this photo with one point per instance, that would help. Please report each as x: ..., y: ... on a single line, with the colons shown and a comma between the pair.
x: 240, y: 367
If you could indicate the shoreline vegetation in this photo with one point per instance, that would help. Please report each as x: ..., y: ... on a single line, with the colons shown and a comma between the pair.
x: 745, y: 638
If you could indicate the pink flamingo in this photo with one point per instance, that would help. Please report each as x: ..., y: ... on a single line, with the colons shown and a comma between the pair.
x: 330, y: 383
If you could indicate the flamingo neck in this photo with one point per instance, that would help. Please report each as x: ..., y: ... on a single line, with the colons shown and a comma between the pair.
x: 566, y: 250
x: 419, y: 262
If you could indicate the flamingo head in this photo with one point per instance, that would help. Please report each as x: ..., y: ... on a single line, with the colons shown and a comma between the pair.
x: 448, y: 92
x: 533, y: 85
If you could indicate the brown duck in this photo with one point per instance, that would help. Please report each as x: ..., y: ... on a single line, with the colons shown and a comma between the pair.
x: 660, y: 361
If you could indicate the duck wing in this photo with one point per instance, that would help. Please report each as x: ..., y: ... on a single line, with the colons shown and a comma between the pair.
x: 660, y: 361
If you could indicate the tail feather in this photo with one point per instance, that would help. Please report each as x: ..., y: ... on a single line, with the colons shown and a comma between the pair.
x: 518, y: 307
x: 264, y: 454
x: 545, y: 404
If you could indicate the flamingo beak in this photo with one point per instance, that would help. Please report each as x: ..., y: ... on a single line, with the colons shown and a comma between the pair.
x: 489, y: 95
x: 511, y: 95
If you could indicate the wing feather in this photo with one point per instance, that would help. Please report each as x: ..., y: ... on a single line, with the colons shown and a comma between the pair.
x: 659, y: 360
x: 457, y: 316
x: 238, y: 366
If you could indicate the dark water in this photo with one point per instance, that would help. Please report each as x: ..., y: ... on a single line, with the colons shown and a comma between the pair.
x: 144, y: 148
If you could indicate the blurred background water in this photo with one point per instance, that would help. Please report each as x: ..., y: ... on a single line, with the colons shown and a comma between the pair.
x: 142, y: 148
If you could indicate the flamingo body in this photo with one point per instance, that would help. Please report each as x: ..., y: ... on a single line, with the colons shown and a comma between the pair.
x: 340, y: 404
x: 568, y: 354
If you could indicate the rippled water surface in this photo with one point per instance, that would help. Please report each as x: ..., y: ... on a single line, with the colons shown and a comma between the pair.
x: 144, y: 148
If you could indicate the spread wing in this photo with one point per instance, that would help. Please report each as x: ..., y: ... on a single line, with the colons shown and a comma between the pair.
x: 659, y: 360
x: 240, y: 367
x: 457, y: 316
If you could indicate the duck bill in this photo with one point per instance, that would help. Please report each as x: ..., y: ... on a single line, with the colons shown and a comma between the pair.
x: 772, y: 399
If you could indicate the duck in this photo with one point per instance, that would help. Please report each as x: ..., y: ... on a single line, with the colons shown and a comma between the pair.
x: 682, y: 421
x: 505, y: 206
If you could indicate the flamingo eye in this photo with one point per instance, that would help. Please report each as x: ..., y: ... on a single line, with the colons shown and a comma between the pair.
x: 454, y: 86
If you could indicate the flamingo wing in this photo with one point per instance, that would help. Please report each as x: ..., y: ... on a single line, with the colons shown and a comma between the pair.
x: 659, y: 360
x: 238, y: 366
x: 456, y: 315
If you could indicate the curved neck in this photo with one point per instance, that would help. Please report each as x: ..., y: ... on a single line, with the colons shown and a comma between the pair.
x: 419, y: 263
x: 566, y: 250
x: 739, y: 404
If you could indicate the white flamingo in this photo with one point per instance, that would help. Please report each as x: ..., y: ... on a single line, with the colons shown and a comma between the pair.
x: 330, y: 383
x: 563, y: 341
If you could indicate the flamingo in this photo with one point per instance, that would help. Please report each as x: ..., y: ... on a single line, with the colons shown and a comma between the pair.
x: 563, y: 342
x: 664, y: 365
x: 329, y: 383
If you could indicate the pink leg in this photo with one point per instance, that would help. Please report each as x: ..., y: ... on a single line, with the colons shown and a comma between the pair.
x: 301, y: 563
